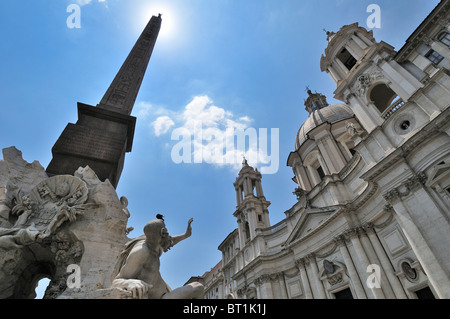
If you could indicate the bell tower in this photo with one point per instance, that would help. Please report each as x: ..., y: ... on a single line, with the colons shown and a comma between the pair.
x: 251, y: 210
x: 367, y: 76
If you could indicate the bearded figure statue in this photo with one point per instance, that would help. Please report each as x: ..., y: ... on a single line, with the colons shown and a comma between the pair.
x: 138, y: 267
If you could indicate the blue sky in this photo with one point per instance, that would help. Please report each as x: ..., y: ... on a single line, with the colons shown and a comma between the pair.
x: 232, y: 63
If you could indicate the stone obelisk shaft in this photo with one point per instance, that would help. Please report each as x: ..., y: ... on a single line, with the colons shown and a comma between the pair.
x: 122, y: 92
x: 103, y: 134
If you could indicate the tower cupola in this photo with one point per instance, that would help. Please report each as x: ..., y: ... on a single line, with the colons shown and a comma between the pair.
x: 315, y: 101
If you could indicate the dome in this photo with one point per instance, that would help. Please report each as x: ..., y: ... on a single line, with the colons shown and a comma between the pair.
x: 328, y: 114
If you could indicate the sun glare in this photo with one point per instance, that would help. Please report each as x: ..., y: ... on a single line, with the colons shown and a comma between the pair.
x: 168, y: 28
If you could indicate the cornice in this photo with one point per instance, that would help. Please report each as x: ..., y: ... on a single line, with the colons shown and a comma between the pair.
x: 259, y: 260
x: 405, y: 188
x: 421, y: 33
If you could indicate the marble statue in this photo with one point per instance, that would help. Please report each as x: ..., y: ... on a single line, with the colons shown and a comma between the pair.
x: 138, y: 265
x: 72, y: 229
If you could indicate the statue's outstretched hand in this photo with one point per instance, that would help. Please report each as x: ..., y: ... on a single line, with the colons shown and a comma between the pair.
x: 189, y: 227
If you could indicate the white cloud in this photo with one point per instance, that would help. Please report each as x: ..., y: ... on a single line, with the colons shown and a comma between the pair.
x: 162, y: 125
x: 207, y: 133
x: 201, y: 111
x: 144, y: 109
x: 85, y: 2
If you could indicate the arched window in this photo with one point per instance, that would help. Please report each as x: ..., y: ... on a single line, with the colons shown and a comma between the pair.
x: 314, y: 165
x: 444, y: 37
x: 382, y: 96
x: 348, y: 146
x: 247, y: 231
x: 254, y: 191
x: 320, y: 171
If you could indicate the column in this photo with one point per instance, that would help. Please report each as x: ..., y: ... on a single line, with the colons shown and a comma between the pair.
x: 302, y: 177
x: 258, y: 292
x: 368, y: 120
x: 398, y: 84
x: 342, y: 67
x: 252, y: 222
x: 247, y: 187
x: 323, y: 147
x: 241, y: 228
x: 265, y: 289
x: 364, y: 39
x: 301, y: 264
x: 359, y: 42
x: 338, y: 157
x: 352, y: 51
x: 384, y: 282
x: 427, y: 105
x: 282, y: 284
x: 385, y: 263
x: 431, y: 265
x: 352, y: 272
x: 354, y: 237
x: 334, y: 73
x: 315, y: 278
x: 259, y: 189
x: 333, y: 76
x: 238, y: 197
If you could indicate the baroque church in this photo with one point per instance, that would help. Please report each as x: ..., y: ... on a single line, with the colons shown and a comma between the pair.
x: 371, y: 219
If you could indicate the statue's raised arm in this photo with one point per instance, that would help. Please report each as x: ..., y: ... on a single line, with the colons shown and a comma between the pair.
x: 138, y: 266
x: 187, y: 234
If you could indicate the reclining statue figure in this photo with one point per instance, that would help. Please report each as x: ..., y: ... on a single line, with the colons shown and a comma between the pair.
x: 138, y: 266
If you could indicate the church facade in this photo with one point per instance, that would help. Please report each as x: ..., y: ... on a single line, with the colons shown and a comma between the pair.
x: 373, y: 182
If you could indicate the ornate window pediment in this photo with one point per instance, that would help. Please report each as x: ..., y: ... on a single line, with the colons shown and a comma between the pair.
x: 440, y: 174
x: 364, y: 81
x: 332, y: 272
x: 439, y: 179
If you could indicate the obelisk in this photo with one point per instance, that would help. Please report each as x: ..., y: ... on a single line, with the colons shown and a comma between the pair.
x: 103, y: 134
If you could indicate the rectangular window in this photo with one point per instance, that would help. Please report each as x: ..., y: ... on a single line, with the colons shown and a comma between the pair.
x: 424, y: 293
x: 347, y: 59
x: 320, y: 172
x: 444, y: 37
x: 434, y: 57
x: 343, y: 294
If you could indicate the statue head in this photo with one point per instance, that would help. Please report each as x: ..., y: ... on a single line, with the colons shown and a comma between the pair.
x: 157, y: 235
x: 62, y: 189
